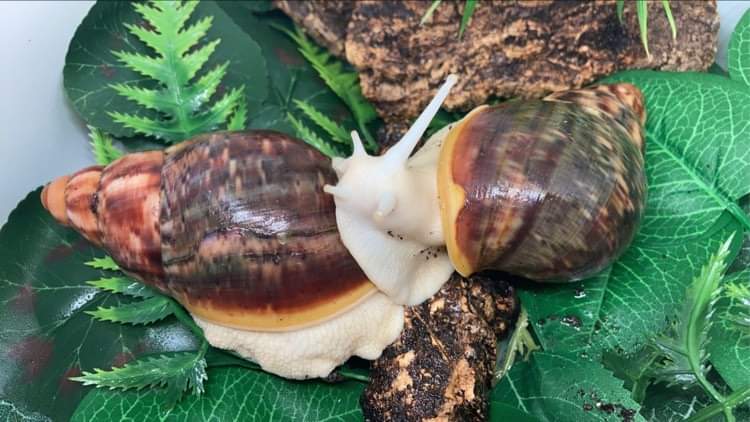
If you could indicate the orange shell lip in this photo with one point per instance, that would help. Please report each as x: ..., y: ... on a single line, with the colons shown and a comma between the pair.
x: 275, y: 321
x: 53, y: 199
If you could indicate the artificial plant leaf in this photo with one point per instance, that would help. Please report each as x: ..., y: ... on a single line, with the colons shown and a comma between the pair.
x: 175, y: 373
x: 103, y: 263
x: 729, y: 349
x: 233, y: 394
x: 101, y: 144
x: 92, y: 66
x: 45, y: 335
x: 344, y: 83
x: 739, y: 51
x: 123, y: 285
x: 560, y: 388
x: 622, y: 308
x: 674, y: 404
x: 684, y: 342
x: 144, y: 311
x: 292, y: 77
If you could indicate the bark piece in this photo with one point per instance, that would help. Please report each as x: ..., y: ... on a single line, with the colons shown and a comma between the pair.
x: 513, y: 49
x: 441, y: 367
x: 325, y: 21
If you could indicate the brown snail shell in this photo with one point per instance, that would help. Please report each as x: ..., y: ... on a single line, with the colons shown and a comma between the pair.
x: 552, y: 189
x: 235, y: 226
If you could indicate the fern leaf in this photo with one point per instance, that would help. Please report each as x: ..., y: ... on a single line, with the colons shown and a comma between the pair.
x: 307, y: 135
x: 191, y: 63
x: 337, y: 132
x: 176, y: 373
x: 149, y: 98
x: 106, y: 263
x: 145, y: 65
x: 179, y: 57
x: 740, y: 296
x: 142, y: 312
x: 238, y: 121
x: 123, y: 285
x: 101, y: 144
x: 344, y: 84
x: 205, y: 87
x: 219, y: 112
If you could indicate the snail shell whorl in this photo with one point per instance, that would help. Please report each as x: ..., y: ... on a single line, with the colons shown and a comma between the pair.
x: 550, y: 190
x: 127, y: 206
x: 249, y: 238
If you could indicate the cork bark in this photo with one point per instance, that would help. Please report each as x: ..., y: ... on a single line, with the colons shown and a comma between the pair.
x: 510, y: 48
x: 325, y: 21
x: 441, y: 367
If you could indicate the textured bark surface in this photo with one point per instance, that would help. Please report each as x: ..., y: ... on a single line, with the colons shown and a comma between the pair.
x: 325, y: 21
x: 509, y: 49
x: 441, y: 367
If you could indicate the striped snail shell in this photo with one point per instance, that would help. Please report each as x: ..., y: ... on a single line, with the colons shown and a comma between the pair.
x: 551, y: 189
x: 237, y: 228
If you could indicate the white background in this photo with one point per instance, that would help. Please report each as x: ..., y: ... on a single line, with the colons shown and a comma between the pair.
x: 40, y: 136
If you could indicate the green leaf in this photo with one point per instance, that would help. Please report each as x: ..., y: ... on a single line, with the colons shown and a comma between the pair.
x: 183, y: 108
x: 345, y: 84
x: 641, y: 7
x: 233, y: 394
x: 338, y: 133
x: 428, y: 14
x: 740, y: 295
x: 145, y: 311
x: 729, y: 350
x: 306, y: 134
x: 560, y: 388
x: 176, y: 373
x: 123, y: 285
x: 468, y: 12
x: 239, y: 117
x: 105, y: 263
x: 521, y: 343
x: 739, y: 51
x: 673, y: 404
x: 620, y: 9
x: 92, y: 66
x: 101, y: 143
x: 685, y: 345
x: 668, y: 11
x: 45, y: 335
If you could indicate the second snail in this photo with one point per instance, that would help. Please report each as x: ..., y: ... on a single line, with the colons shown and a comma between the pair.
x: 241, y: 228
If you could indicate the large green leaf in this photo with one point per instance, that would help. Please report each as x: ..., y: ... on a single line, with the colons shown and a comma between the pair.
x: 45, y: 334
x: 739, y: 51
x: 233, y: 394
x: 91, y: 67
x: 729, y: 348
x: 698, y: 166
x: 560, y: 388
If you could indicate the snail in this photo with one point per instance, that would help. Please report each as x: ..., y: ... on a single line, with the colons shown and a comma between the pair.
x: 237, y: 228
x: 240, y: 228
x: 551, y: 189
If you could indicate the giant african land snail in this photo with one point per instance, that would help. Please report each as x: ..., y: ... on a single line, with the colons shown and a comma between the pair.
x: 237, y: 227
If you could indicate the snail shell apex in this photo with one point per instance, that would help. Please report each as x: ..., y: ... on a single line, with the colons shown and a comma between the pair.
x: 550, y: 190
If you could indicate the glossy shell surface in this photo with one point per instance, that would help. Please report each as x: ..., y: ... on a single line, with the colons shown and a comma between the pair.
x: 249, y: 238
x: 552, y: 190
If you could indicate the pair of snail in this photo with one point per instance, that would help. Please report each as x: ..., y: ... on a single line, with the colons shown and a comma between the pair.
x: 298, y: 262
